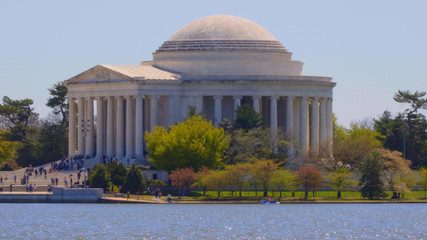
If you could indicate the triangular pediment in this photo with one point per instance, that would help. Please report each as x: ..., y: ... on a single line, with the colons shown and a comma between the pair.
x: 100, y: 74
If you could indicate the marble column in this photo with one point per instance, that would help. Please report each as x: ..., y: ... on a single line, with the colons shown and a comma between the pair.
x: 290, y: 122
x: 218, y: 109
x: 273, y: 118
x: 71, y: 127
x: 329, y: 124
x: 90, y: 141
x: 153, y: 106
x: 81, y: 128
x: 139, y: 126
x: 129, y: 127
x: 237, y: 102
x: 119, y: 128
x: 255, y: 103
x: 110, y: 127
x: 99, y: 128
x: 273, y: 112
x: 314, y: 130
x: 322, y: 120
x: 290, y: 116
x: 171, y: 110
x: 303, y: 126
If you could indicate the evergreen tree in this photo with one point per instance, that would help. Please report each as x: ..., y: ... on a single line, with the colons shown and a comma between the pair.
x: 247, y: 118
x: 370, y: 181
x: 134, y: 181
x: 57, y: 101
x: 117, y: 173
x: 99, y: 177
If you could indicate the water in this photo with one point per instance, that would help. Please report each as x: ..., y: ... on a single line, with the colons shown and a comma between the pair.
x: 175, y: 221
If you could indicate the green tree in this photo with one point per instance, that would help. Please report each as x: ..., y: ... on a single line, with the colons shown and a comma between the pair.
x: 19, y: 115
x: 28, y: 152
x: 423, y: 181
x: 192, y: 143
x: 216, y: 180
x: 99, y: 177
x: 370, y: 180
x: 339, y: 180
x: 117, y: 173
x: 262, y: 172
x: 7, y: 149
x: 350, y: 147
x: 237, y: 177
x: 134, y: 181
x: 57, y: 101
x: 256, y: 144
x: 53, y: 140
x: 247, y: 118
x: 283, y: 180
x: 201, y: 179
x: 310, y: 179
x: 414, y: 136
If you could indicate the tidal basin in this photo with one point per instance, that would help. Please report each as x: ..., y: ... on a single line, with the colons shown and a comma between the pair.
x: 213, y: 221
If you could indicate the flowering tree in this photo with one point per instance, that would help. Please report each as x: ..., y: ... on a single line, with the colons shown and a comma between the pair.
x: 182, y: 178
x: 310, y: 178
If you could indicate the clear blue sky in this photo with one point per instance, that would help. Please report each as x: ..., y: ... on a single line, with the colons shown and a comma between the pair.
x: 370, y: 48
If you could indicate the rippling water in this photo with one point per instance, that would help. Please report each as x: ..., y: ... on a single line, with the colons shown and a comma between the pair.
x: 299, y: 221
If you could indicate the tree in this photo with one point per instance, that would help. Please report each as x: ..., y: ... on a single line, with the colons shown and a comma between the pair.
x: 192, y: 143
x: 7, y: 149
x: 216, y: 180
x: 117, y: 173
x: 370, y: 181
x: 247, y: 118
x: 339, y: 180
x: 350, y: 147
x: 99, y: 177
x: 395, y: 169
x: 53, y: 140
x: 201, y: 179
x: 423, y: 181
x: 237, y: 177
x: 283, y: 180
x: 57, y: 101
x: 19, y: 115
x: 262, y: 172
x: 256, y: 144
x: 183, y: 178
x: 310, y: 178
x: 28, y: 152
x: 414, y: 136
x: 134, y: 180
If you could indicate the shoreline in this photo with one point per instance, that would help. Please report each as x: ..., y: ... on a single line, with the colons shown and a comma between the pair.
x: 45, y: 197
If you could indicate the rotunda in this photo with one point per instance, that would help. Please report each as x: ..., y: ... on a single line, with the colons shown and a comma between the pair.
x: 215, y: 64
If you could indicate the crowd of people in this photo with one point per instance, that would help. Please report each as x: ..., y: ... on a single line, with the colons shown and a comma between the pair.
x: 69, y: 164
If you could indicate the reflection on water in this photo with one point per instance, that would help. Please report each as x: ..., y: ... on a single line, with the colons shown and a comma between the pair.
x: 300, y: 221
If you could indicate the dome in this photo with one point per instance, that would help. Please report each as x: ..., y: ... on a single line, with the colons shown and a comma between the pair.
x: 222, y: 33
x: 222, y: 27
x: 218, y: 45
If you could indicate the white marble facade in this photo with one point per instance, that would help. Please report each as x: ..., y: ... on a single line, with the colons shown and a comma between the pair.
x: 215, y: 64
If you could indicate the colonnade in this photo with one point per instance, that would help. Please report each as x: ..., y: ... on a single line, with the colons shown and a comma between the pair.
x: 120, y: 121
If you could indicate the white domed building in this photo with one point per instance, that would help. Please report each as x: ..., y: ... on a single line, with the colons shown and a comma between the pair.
x: 215, y: 63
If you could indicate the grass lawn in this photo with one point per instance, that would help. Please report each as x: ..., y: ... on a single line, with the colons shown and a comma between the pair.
x: 299, y: 195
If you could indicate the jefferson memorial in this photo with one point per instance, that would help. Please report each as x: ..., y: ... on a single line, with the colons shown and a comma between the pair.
x: 215, y: 64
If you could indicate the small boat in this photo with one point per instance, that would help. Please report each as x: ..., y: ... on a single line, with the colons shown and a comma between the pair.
x: 269, y: 202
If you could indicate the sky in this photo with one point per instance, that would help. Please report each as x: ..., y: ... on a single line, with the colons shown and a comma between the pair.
x: 371, y: 49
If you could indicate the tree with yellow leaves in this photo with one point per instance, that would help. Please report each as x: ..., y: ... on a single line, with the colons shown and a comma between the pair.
x: 192, y: 143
